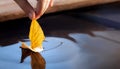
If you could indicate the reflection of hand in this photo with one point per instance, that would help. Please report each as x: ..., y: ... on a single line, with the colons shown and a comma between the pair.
x: 42, y: 6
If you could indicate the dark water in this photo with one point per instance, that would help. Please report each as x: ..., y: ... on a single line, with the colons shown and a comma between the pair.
x: 73, y: 41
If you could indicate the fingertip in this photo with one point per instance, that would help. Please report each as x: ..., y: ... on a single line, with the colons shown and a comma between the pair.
x: 31, y: 15
x: 51, y: 3
x: 37, y: 17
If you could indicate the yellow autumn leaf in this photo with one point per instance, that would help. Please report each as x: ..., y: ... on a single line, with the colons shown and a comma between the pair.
x: 36, y: 35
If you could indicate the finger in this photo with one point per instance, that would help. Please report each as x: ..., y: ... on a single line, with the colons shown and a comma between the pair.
x: 42, y: 6
x: 31, y: 15
x: 51, y: 3
x: 26, y: 7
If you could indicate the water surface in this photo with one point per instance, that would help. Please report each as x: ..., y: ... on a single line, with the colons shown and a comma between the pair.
x: 71, y: 43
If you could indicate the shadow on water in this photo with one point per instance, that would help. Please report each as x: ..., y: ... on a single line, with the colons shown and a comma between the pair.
x: 71, y: 42
x: 13, y: 31
x: 58, y: 25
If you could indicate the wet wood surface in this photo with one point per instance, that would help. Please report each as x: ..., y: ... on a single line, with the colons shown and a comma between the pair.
x: 10, y: 10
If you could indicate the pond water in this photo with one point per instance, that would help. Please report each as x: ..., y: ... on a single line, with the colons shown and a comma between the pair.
x: 71, y: 43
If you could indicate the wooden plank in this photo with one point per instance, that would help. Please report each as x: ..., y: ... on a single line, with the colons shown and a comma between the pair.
x: 10, y: 10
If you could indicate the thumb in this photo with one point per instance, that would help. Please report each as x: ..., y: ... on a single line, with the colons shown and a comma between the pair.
x: 31, y: 15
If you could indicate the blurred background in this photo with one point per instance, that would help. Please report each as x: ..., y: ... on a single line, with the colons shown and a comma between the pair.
x: 90, y: 32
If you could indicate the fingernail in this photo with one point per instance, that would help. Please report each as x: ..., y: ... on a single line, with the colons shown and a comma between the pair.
x: 32, y: 15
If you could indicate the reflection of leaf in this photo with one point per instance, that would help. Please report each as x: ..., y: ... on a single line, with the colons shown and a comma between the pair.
x: 36, y: 35
x: 37, y: 61
x: 25, y: 52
